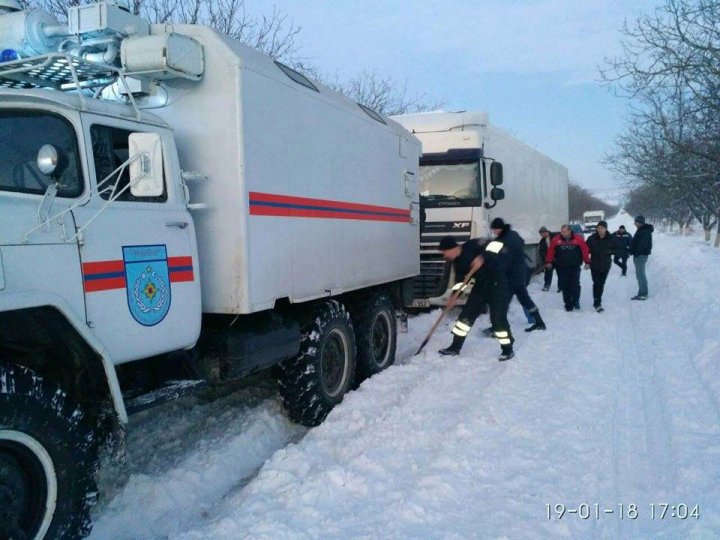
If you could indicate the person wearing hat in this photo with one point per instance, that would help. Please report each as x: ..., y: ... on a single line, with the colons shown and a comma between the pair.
x: 622, y: 248
x: 566, y: 253
x: 640, y: 249
x: 517, y: 272
x: 600, y: 245
x: 487, y: 261
x: 543, y: 245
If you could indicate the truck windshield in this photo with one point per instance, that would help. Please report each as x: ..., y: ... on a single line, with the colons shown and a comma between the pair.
x: 594, y: 218
x: 453, y: 181
x: 23, y: 134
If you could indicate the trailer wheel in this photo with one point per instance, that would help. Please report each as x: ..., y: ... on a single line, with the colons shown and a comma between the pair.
x: 316, y: 380
x: 376, y: 334
x: 48, y: 459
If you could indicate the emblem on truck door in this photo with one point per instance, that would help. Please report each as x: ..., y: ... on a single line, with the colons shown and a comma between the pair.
x: 147, y: 283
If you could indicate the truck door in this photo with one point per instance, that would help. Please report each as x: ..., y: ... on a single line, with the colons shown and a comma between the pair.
x: 139, y: 256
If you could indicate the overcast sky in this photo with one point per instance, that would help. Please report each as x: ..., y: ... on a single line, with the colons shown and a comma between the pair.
x: 531, y: 64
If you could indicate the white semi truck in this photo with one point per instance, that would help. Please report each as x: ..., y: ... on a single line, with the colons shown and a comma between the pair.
x: 591, y: 218
x: 172, y: 198
x: 464, y: 160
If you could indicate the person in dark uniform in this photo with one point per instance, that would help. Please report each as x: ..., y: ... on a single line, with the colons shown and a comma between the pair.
x: 517, y: 272
x: 489, y: 261
x: 601, y: 245
x: 622, y: 248
x: 566, y: 253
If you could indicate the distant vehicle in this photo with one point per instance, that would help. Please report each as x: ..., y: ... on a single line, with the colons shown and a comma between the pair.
x: 577, y: 229
x: 591, y: 218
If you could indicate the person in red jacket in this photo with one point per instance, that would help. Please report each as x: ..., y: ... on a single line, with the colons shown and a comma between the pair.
x: 566, y: 252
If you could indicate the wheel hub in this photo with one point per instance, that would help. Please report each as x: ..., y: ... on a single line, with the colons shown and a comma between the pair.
x: 24, y: 495
x: 381, y: 339
x: 334, y: 363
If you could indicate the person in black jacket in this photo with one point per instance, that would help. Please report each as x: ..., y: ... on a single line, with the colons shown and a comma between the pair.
x: 640, y: 249
x: 517, y: 272
x: 489, y: 262
x: 545, y: 238
x: 601, y: 245
x: 622, y: 248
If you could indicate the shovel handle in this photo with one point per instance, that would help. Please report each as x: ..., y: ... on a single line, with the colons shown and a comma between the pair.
x: 448, y: 307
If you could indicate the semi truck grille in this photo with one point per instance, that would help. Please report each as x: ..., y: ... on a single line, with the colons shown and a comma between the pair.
x: 434, y: 271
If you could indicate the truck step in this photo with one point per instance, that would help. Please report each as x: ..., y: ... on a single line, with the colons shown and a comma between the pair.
x: 172, y: 390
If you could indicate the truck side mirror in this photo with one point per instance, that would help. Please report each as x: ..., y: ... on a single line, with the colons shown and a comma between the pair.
x: 146, y: 165
x: 497, y: 194
x: 496, y: 174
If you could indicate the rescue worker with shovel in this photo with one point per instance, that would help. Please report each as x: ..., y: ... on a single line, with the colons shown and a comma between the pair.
x: 488, y: 262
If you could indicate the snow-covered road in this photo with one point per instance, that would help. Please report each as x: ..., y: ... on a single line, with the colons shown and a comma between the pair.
x: 610, y: 409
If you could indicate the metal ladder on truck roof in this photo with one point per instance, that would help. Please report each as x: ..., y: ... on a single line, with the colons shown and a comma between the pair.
x: 63, y: 72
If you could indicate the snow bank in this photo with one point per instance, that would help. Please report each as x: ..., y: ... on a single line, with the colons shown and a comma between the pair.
x: 610, y: 409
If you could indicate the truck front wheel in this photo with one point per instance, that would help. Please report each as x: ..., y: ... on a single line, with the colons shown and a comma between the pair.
x: 48, y: 459
x: 316, y: 380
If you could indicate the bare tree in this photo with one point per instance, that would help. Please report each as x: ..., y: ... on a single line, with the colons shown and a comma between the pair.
x: 581, y: 200
x: 670, y: 71
x: 383, y: 94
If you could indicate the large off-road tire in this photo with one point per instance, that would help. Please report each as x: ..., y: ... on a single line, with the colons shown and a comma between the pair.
x: 376, y: 335
x: 48, y: 460
x: 316, y: 380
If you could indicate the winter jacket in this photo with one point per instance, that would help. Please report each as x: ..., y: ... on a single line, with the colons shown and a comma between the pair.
x: 564, y: 253
x: 494, y: 270
x: 468, y: 251
x: 622, y: 242
x: 601, y: 251
x: 641, y: 243
x: 517, y: 268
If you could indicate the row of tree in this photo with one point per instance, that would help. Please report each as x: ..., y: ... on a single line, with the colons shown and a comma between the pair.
x: 275, y: 35
x: 670, y: 149
x: 581, y: 200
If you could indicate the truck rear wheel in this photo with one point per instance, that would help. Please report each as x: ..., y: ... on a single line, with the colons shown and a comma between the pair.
x: 376, y: 334
x: 316, y: 380
x: 48, y: 459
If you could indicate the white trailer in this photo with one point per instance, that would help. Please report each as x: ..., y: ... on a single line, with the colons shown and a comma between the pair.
x: 170, y: 197
x: 457, y: 199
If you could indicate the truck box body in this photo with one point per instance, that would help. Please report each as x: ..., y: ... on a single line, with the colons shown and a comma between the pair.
x: 535, y: 190
x: 306, y: 193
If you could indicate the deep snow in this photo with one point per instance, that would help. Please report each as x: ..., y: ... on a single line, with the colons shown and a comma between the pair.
x: 621, y: 407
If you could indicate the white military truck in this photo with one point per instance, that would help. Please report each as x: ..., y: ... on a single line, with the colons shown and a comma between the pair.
x: 591, y: 218
x: 170, y: 198
x: 464, y: 160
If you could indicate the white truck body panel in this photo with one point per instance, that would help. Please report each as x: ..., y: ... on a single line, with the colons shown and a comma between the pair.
x: 277, y: 147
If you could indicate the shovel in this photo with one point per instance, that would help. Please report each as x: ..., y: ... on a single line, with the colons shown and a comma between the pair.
x: 450, y: 305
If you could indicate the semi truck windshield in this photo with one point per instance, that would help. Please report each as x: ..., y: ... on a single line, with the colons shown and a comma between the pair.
x: 456, y: 181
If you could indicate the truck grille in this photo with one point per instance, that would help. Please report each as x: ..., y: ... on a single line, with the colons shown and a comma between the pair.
x: 434, y: 271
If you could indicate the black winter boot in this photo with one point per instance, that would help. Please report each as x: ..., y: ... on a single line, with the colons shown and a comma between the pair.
x: 539, y: 324
x: 507, y: 353
x: 454, y: 348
